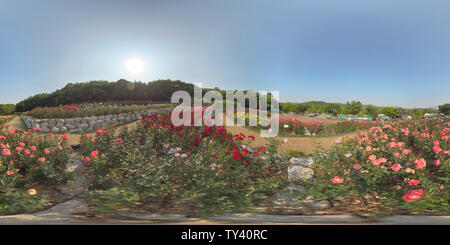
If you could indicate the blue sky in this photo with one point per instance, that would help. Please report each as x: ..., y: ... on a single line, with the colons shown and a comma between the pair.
x: 381, y: 52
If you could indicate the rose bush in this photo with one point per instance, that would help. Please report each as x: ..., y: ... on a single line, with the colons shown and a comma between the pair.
x: 406, y: 163
x: 26, y: 157
x: 294, y: 127
x: 156, y: 162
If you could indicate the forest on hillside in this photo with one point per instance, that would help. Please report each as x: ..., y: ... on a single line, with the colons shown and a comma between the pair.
x: 122, y: 91
x: 104, y: 91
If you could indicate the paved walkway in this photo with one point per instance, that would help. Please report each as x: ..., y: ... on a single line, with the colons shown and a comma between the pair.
x: 69, y: 213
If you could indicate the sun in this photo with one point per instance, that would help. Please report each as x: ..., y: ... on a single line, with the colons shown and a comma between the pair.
x: 134, y: 66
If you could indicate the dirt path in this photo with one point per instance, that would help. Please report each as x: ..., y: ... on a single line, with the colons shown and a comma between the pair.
x: 305, y: 144
x: 16, y: 123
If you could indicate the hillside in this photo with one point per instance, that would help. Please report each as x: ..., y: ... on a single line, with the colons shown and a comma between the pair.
x: 104, y: 91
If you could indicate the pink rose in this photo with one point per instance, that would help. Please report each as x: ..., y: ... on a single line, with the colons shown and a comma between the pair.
x: 421, y: 163
x: 392, y: 144
x: 413, y: 195
x: 413, y: 182
x: 396, y: 167
x: 86, y: 160
x: 437, y: 149
x: 94, y: 154
x: 372, y: 157
x: 382, y: 160
x: 437, y: 162
x: 6, y: 152
x: 337, y: 180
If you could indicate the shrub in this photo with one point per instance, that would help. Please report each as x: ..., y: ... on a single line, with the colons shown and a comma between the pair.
x: 406, y: 163
x: 159, y: 163
x: 294, y: 153
x: 26, y: 157
x: 297, y: 128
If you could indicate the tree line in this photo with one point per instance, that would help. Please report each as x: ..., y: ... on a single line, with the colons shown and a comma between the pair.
x: 122, y: 91
x: 357, y: 108
x: 104, y: 91
x: 7, y: 109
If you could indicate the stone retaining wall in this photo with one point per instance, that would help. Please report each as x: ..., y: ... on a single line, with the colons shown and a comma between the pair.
x: 85, y: 124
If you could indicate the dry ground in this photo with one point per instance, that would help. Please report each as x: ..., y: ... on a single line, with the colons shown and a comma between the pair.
x: 305, y: 144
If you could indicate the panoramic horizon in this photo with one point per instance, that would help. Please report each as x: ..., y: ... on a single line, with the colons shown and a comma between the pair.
x: 382, y: 53
x: 134, y: 113
x: 281, y: 100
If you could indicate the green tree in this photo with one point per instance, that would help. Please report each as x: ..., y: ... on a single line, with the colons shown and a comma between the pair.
x: 333, y: 108
x: 390, y: 111
x: 7, y: 109
x: 445, y: 108
x: 416, y: 114
x: 354, y: 107
x: 372, y: 110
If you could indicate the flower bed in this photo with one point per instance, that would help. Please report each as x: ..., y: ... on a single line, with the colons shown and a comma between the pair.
x: 405, y: 165
x: 5, y: 119
x: 204, y: 168
x: 85, y: 124
x: 88, y: 110
x: 298, y: 128
x: 26, y: 158
x: 294, y: 127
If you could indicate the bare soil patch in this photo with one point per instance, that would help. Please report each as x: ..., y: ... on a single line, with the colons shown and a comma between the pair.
x: 305, y: 144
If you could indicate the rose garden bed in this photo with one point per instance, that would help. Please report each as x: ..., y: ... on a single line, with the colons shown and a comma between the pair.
x: 306, y: 126
x: 85, y: 124
x: 29, y: 161
x: 88, y: 110
x: 157, y: 167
